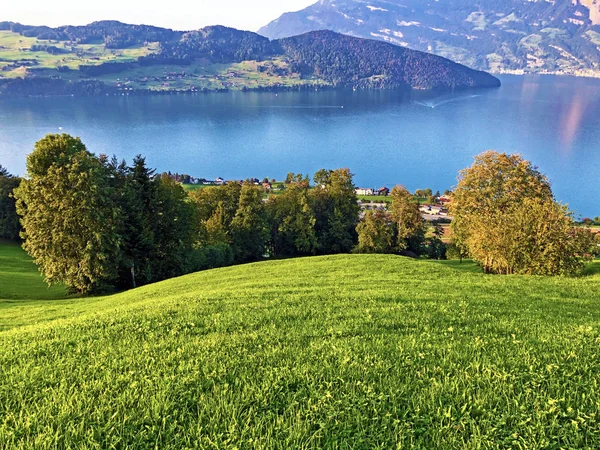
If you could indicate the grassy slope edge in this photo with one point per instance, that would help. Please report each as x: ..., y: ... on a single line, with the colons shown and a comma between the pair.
x: 342, y: 351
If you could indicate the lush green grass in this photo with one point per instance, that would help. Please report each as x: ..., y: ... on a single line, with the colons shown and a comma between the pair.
x: 194, y: 187
x: 20, y: 279
x: 375, y: 198
x: 328, y: 352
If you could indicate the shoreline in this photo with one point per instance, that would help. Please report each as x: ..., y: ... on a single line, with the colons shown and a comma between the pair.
x: 107, y: 91
x: 591, y: 74
x: 103, y: 90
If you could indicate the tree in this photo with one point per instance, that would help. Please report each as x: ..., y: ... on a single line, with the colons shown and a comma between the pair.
x: 375, y: 233
x: 409, y: 224
x: 336, y: 210
x: 596, y: 245
x: 9, y: 219
x: 536, y: 237
x: 216, y: 229
x: 453, y: 252
x: 494, y: 183
x: 249, y: 228
x: 172, y: 225
x: 424, y: 193
x: 292, y: 219
x: 137, y: 190
x: 506, y: 218
x: 70, y: 221
x: 435, y: 248
x: 215, y: 207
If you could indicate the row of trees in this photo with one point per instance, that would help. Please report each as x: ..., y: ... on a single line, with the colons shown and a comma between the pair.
x: 98, y: 224
x: 400, y: 230
x: 300, y: 221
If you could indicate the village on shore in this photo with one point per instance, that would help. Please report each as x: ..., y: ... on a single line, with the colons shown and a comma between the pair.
x: 433, y: 206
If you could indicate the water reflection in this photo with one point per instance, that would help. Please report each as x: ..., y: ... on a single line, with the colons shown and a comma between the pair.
x: 571, y: 122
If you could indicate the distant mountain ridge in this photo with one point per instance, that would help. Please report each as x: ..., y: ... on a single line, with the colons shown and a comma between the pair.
x: 543, y: 36
x: 131, y: 58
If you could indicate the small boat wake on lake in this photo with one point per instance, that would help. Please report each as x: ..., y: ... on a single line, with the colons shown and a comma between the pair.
x: 434, y: 104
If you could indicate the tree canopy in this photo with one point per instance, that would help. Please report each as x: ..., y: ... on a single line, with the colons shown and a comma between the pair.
x: 506, y: 218
x: 70, y: 223
x: 95, y: 224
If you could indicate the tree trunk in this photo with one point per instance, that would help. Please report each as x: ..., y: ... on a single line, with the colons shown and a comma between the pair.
x: 133, y: 275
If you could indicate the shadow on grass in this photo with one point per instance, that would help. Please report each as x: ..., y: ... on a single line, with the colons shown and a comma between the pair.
x: 592, y: 268
x: 467, y: 266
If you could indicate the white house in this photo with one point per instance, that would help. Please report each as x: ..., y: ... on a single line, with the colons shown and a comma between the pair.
x: 364, y: 191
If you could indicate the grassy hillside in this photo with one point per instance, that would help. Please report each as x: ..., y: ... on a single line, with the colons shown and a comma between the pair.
x: 327, y: 352
x: 20, y: 279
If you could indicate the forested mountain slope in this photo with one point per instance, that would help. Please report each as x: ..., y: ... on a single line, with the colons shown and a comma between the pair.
x: 111, y: 57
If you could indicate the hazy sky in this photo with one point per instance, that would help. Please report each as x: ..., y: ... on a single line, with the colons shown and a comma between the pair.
x: 177, y: 14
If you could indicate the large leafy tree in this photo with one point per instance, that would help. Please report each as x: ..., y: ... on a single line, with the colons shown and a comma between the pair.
x: 9, y: 220
x: 70, y: 220
x: 505, y: 216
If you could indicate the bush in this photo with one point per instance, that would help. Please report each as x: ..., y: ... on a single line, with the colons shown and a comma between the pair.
x: 211, y: 257
x: 434, y: 248
x: 453, y: 252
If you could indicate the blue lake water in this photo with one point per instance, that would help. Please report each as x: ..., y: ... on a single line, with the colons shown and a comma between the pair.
x: 385, y: 138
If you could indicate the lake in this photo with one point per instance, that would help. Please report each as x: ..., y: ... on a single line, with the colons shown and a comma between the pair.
x: 419, y: 140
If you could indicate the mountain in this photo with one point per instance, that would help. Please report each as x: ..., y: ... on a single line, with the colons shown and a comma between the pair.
x: 352, y: 62
x: 541, y: 36
x: 112, y: 57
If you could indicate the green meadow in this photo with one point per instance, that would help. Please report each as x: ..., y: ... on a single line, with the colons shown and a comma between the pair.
x: 16, y: 54
x: 16, y: 49
x: 349, y: 351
